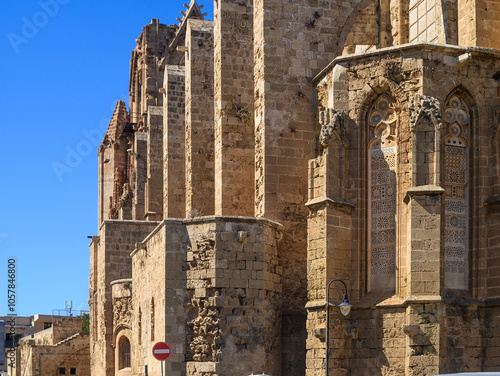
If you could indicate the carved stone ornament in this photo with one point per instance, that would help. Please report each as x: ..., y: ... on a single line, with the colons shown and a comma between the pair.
x: 122, y: 311
x: 332, y: 121
x: 425, y: 109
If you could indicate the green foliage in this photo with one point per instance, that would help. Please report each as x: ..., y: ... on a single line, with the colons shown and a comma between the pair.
x: 85, y: 322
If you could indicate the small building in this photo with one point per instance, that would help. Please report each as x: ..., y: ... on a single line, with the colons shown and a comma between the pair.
x: 60, y: 349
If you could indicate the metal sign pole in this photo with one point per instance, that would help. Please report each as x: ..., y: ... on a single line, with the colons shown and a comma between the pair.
x: 162, y: 368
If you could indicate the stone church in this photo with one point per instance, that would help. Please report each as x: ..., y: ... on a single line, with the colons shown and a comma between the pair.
x: 286, y: 144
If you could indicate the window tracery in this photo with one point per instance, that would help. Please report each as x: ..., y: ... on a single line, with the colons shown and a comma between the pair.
x: 382, y: 193
x: 457, y: 120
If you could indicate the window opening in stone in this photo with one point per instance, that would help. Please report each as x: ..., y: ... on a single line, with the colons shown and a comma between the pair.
x: 72, y: 371
x: 139, y: 331
x: 152, y: 319
x: 382, y: 153
x: 425, y: 137
x: 457, y: 123
x: 124, y: 353
x: 62, y: 371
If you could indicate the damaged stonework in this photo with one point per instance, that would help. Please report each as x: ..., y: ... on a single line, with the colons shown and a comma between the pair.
x: 424, y: 110
x: 332, y: 125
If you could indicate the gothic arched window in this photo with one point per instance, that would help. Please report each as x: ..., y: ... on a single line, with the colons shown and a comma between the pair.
x: 382, y: 152
x: 456, y: 154
x: 124, y: 352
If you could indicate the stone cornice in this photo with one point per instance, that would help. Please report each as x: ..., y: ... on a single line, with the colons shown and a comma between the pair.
x: 335, y: 201
x: 455, y: 50
x: 118, y: 281
x: 423, y: 190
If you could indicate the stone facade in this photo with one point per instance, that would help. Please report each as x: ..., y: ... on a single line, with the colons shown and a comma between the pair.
x: 286, y: 144
x: 416, y: 151
x: 62, y: 349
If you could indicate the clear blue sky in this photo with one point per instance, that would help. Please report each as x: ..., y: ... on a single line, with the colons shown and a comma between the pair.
x: 63, y: 66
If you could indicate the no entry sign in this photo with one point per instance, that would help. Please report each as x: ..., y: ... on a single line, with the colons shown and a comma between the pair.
x: 161, y: 350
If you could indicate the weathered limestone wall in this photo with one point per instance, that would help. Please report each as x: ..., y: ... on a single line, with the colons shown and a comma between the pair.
x: 33, y: 358
x: 110, y: 261
x: 154, y: 185
x: 146, y: 74
x: 365, y: 29
x: 78, y: 362
x: 158, y: 299
x: 199, y: 119
x: 140, y: 153
x: 478, y: 23
x: 174, y: 199
x: 292, y: 42
x: 234, y: 123
x: 113, y: 160
x: 420, y: 325
x: 216, y: 287
x: 234, y: 289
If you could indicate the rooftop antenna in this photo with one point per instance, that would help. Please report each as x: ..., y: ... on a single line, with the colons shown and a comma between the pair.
x: 68, y: 307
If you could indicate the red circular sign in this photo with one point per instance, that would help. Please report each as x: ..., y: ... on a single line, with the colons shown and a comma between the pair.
x: 161, y: 351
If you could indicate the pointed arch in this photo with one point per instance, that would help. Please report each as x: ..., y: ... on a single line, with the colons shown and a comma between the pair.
x: 426, y: 127
x: 382, y: 187
x: 457, y: 118
x: 123, y: 352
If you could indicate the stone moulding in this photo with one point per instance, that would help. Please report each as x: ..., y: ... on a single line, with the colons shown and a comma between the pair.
x: 118, y: 281
x: 315, y: 203
x: 422, y: 299
x: 423, y: 190
x: 210, y: 218
x: 315, y: 305
x: 424, y: 46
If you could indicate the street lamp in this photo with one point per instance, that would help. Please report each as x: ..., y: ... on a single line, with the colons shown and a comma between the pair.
x: 345, y: 308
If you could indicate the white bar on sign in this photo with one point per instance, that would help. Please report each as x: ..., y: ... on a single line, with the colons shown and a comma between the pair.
x: 166, y: 351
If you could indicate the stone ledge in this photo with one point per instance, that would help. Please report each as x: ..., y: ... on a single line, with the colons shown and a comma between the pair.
x: 393, y: 301
x: 205, y: 219
x: 335, y: 201
x: 420, y: 47
x: 423, y: 190
x: 227, y: 218
x: 495, y: 200
x: 315, y: 305
x: 423, y: 299
x: 124, y: 280
x: 126, y: 222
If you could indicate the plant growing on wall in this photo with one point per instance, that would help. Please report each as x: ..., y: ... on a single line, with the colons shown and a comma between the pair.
x: 243, y: 114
